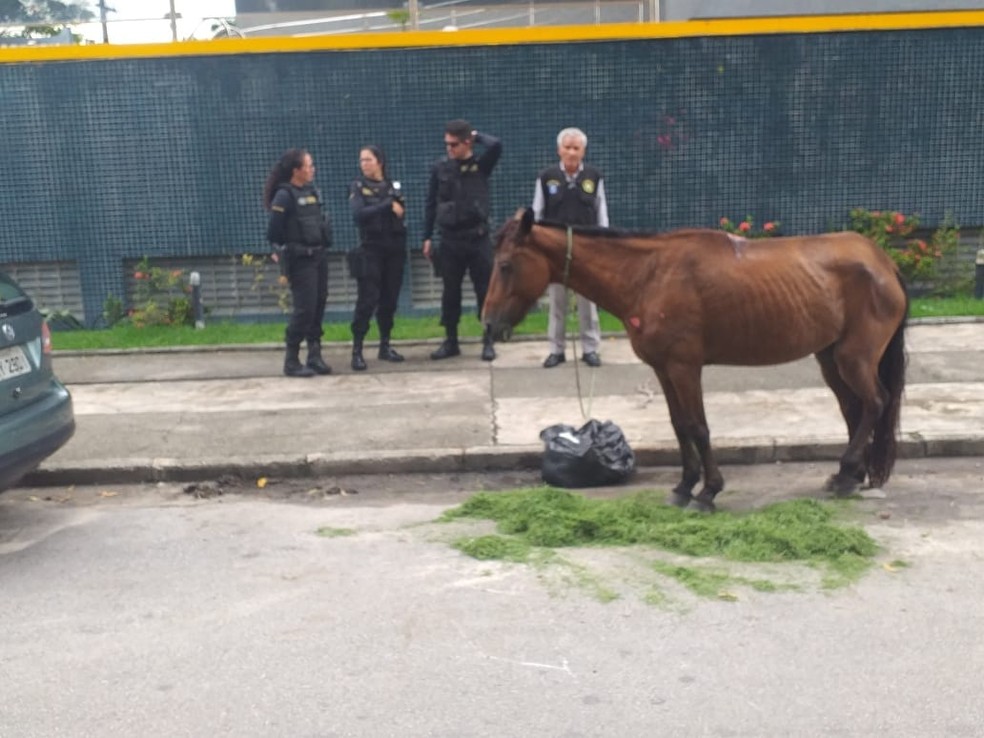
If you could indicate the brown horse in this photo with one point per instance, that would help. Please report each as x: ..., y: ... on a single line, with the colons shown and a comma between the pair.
x: 693, y: 297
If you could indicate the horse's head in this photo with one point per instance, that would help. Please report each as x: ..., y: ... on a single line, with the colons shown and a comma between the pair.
x: 520, y: 274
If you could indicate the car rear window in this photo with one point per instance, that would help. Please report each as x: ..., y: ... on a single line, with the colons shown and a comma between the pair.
x: 13, y: 300
x: 9, y: 289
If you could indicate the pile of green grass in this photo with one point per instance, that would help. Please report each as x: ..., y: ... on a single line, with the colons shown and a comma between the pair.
x: 804, y: 531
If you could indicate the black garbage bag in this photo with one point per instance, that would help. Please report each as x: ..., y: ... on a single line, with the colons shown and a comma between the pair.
x: 594, y: 455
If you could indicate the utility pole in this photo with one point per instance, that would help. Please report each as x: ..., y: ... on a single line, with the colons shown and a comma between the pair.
x: 102, y: 20
x: 414, y: 9
x: 174, y: 23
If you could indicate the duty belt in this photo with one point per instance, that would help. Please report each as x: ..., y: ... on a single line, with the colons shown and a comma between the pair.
x: 298, y: 249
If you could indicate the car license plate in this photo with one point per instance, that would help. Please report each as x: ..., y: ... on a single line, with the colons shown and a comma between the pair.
x: 13, y: 362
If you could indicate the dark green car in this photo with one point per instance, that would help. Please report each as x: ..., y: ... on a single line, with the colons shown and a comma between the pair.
x: 36, y: 416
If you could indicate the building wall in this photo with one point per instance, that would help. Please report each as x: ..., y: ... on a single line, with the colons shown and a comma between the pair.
x: 693, y: 9
x: 110, y: 159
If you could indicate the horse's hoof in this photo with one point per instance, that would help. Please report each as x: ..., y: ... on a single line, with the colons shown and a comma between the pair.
x: 842, y: 485
x: 704, y: 503
x: 680, y: 500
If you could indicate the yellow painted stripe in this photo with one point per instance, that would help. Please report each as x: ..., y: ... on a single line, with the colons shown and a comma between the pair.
x: 503, y: 36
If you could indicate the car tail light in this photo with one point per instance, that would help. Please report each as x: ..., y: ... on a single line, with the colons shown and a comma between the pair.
x: 45, y: 338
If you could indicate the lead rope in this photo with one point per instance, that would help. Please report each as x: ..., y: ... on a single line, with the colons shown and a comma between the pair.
x: 572, y: 308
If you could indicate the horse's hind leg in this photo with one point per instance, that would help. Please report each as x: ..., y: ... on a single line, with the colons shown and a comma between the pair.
x: 857, y: 366
x: 850, y: 407
x: 683, y: 492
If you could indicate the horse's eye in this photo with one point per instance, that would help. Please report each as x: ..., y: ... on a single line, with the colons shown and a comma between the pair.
x: 505, y: 268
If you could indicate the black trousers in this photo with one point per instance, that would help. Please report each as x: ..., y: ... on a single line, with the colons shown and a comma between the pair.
x: 379, y: 288
x: 308, y: 277
x: 458, y: 257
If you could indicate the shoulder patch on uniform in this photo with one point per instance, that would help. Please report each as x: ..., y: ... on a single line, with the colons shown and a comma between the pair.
x: 588, y: 186
x: 366, y: 191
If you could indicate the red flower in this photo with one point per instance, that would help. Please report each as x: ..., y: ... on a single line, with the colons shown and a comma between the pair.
x: 744, y: 226
x: 139, y: 275
x: 922, y: 245
x: 768, y: 227
x: 899, y: 218
x: 889, y: 229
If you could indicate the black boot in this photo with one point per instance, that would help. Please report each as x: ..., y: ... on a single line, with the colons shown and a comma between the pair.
x: 358, y: 362
x: 488, y: 352
x: 293, y: 366
x: 387, y: 352
x: 314, y: 361
x: 448, y: 348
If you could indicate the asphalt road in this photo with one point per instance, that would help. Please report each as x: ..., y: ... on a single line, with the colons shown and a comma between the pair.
x: 146, y: 610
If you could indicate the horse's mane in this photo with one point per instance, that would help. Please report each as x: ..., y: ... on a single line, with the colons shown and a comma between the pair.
x: 619, y: 232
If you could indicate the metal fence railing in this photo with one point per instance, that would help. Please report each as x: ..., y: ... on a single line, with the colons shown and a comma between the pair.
x: 449, y: 16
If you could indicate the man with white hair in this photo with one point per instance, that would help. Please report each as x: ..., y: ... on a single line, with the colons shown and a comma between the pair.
x: 571, y: 193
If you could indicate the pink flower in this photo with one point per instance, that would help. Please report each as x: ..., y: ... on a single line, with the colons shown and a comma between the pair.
x: 769, y: 227
x: 899, y: 218
x: 139, y: 275
x: 725, y: 221
x: 744, y: 226
x: 889, y: 229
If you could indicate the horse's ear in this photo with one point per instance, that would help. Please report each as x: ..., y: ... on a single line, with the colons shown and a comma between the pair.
x: 525, y: 218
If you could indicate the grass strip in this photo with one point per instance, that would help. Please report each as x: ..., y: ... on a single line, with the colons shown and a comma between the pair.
x: 220, y: 333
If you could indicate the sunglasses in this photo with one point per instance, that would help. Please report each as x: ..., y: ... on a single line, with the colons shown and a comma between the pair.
x: 453, y: 144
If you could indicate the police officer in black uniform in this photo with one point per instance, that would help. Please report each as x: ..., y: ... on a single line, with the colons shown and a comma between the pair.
x: 377, y: 265
x: 301, y: 235
x: 458, y: 205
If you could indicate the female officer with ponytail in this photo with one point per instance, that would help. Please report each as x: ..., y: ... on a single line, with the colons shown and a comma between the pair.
x: 378, y: 263
x: 300, y: 233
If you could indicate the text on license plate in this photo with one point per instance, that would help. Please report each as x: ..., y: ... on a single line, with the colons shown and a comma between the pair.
x: 13, y: 362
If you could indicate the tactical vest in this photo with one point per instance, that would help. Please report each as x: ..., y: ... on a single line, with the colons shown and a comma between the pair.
x: 572, y: 203
x: 462, y: 198
x: 384, y: 226
x: 306, y: 222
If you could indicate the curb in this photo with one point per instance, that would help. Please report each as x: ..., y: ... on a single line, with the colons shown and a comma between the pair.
x: 442, y: 461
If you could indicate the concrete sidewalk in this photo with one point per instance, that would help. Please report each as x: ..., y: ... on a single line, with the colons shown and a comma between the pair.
x: 196, y: 414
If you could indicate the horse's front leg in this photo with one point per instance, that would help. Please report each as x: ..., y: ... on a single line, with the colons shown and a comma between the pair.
x: 683, y: 493
x: 687, y: 388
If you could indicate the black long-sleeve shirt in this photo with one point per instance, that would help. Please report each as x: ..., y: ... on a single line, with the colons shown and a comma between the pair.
x: 486, y: 162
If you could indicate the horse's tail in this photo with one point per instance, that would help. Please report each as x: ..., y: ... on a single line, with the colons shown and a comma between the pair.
x: 891, y: 374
